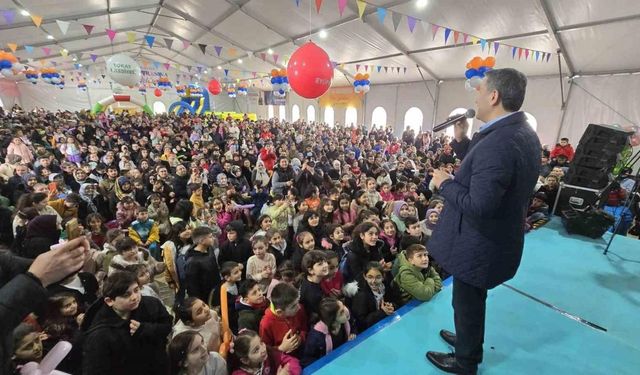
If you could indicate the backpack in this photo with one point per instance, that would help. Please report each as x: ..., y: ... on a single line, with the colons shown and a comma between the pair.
x: 181, y: 264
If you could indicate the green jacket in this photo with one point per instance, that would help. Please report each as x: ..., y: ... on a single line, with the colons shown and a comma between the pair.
x: 415, y: 282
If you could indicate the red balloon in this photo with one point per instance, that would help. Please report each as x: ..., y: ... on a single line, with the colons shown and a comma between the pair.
x: 310, y: 71
x: 214, y: 87
x: 157, y: 92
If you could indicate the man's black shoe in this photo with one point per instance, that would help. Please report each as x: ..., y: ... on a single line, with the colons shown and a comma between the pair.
x: 448, y: 337
x: 447, y: 363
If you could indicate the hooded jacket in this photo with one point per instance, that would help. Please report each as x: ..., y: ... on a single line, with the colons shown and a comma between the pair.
x: 415, y: 282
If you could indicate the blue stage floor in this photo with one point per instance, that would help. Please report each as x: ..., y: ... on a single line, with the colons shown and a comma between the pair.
x: 524, y: 336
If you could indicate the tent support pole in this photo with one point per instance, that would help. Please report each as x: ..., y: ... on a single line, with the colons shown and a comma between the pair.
x: 435, y: 106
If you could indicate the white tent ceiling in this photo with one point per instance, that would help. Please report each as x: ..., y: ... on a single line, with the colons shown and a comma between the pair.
x: 595, y: 36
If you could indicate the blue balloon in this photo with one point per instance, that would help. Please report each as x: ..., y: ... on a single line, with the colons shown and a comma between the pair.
x: 470, y: 73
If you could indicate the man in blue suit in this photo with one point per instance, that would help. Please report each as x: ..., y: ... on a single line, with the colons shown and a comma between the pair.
x: 480, y: 234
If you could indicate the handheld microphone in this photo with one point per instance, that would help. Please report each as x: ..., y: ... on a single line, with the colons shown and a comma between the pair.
x: 469, y: 114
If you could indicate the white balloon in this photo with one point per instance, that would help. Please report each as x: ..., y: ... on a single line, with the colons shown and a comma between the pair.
x: 123, y: 70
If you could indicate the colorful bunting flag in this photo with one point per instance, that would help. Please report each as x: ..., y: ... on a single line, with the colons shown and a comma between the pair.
x: 411, y: 22
x: 382, y: 13
x: 93, y: 57
x: 37, y: 20
x: 150, y: 39
x: 29, y: 49
x: 318, y: 5
x: 131, y: 37
x: 9, y: 16
x: 12, y: 46
x: 203, y: 48
x: 168, y: 42
x: 218, y: 50
x: 341, y: 5
x: 447, y: 32
x: 46, y: 50
x: 434, y: 31
x: 111, y: 34
x: 361, y: 7
x: 64, y: 26
x: 396, y: 18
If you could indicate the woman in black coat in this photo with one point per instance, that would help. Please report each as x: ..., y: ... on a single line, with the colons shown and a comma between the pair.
x: 364, y: 248
x: 375, y: 300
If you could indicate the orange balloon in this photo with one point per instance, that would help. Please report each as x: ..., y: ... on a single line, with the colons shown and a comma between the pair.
x: 274, y: 72
x: 490, y: 62
x: 283, y: 72
x: 476, y: 62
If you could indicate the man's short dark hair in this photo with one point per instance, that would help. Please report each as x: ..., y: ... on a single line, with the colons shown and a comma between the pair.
x: 511, y: 86
x: 283, y: 296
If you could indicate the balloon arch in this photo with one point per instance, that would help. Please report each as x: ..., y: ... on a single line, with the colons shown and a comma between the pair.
x: 100, y: 106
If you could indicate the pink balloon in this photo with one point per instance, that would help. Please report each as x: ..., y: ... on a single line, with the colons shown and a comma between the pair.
x: 309, y: 71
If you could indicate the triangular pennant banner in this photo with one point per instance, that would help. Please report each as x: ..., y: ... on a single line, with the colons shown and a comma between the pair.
x: 447, y: 32
x: 361, y: 7
x: 88, y: 28
x: 167, y: 66
x: 168, y: 42
x: 396, y: 18
x: 341, y: 5
x: 12, y: 46
x: 9, y: 16
x: 150, y: 39
x: 382, y: 13
x: 411, y: 22
x: 37, y: 20
x: 29, y: 49
x: 218, y: 50
x: 64, y: 26
x: 131, y: 37
x: 318, y: 5
x: 203, y: 48
x: 46, y: 50
x: 275, y: 58
x: 111, y: 34
x: 93, y: 57
x: 434, y: 31
x: 496, y: 45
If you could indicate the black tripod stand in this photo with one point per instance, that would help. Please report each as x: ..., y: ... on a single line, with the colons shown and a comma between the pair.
x: 631, y: 199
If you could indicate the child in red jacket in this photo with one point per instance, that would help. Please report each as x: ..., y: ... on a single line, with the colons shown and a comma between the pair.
x: 563, y: 148
x: 284, y: 324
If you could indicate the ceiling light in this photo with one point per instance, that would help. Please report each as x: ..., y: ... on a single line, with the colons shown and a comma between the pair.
x: 239, y: 61
x: 421, y: 3
x: 219, y: 67
x: 50, y: 37
x: 270, y: 51
x: 323, y: 34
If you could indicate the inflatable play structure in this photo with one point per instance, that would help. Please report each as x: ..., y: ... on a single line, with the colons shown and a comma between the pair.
x: 104, y: 103
x: 194, y: 100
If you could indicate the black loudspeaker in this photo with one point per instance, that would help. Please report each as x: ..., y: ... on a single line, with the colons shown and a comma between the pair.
x: 590, y: 223
x: 596, y: 155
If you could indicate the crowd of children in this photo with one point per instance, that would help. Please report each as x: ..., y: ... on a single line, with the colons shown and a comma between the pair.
x: 278, y: 241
